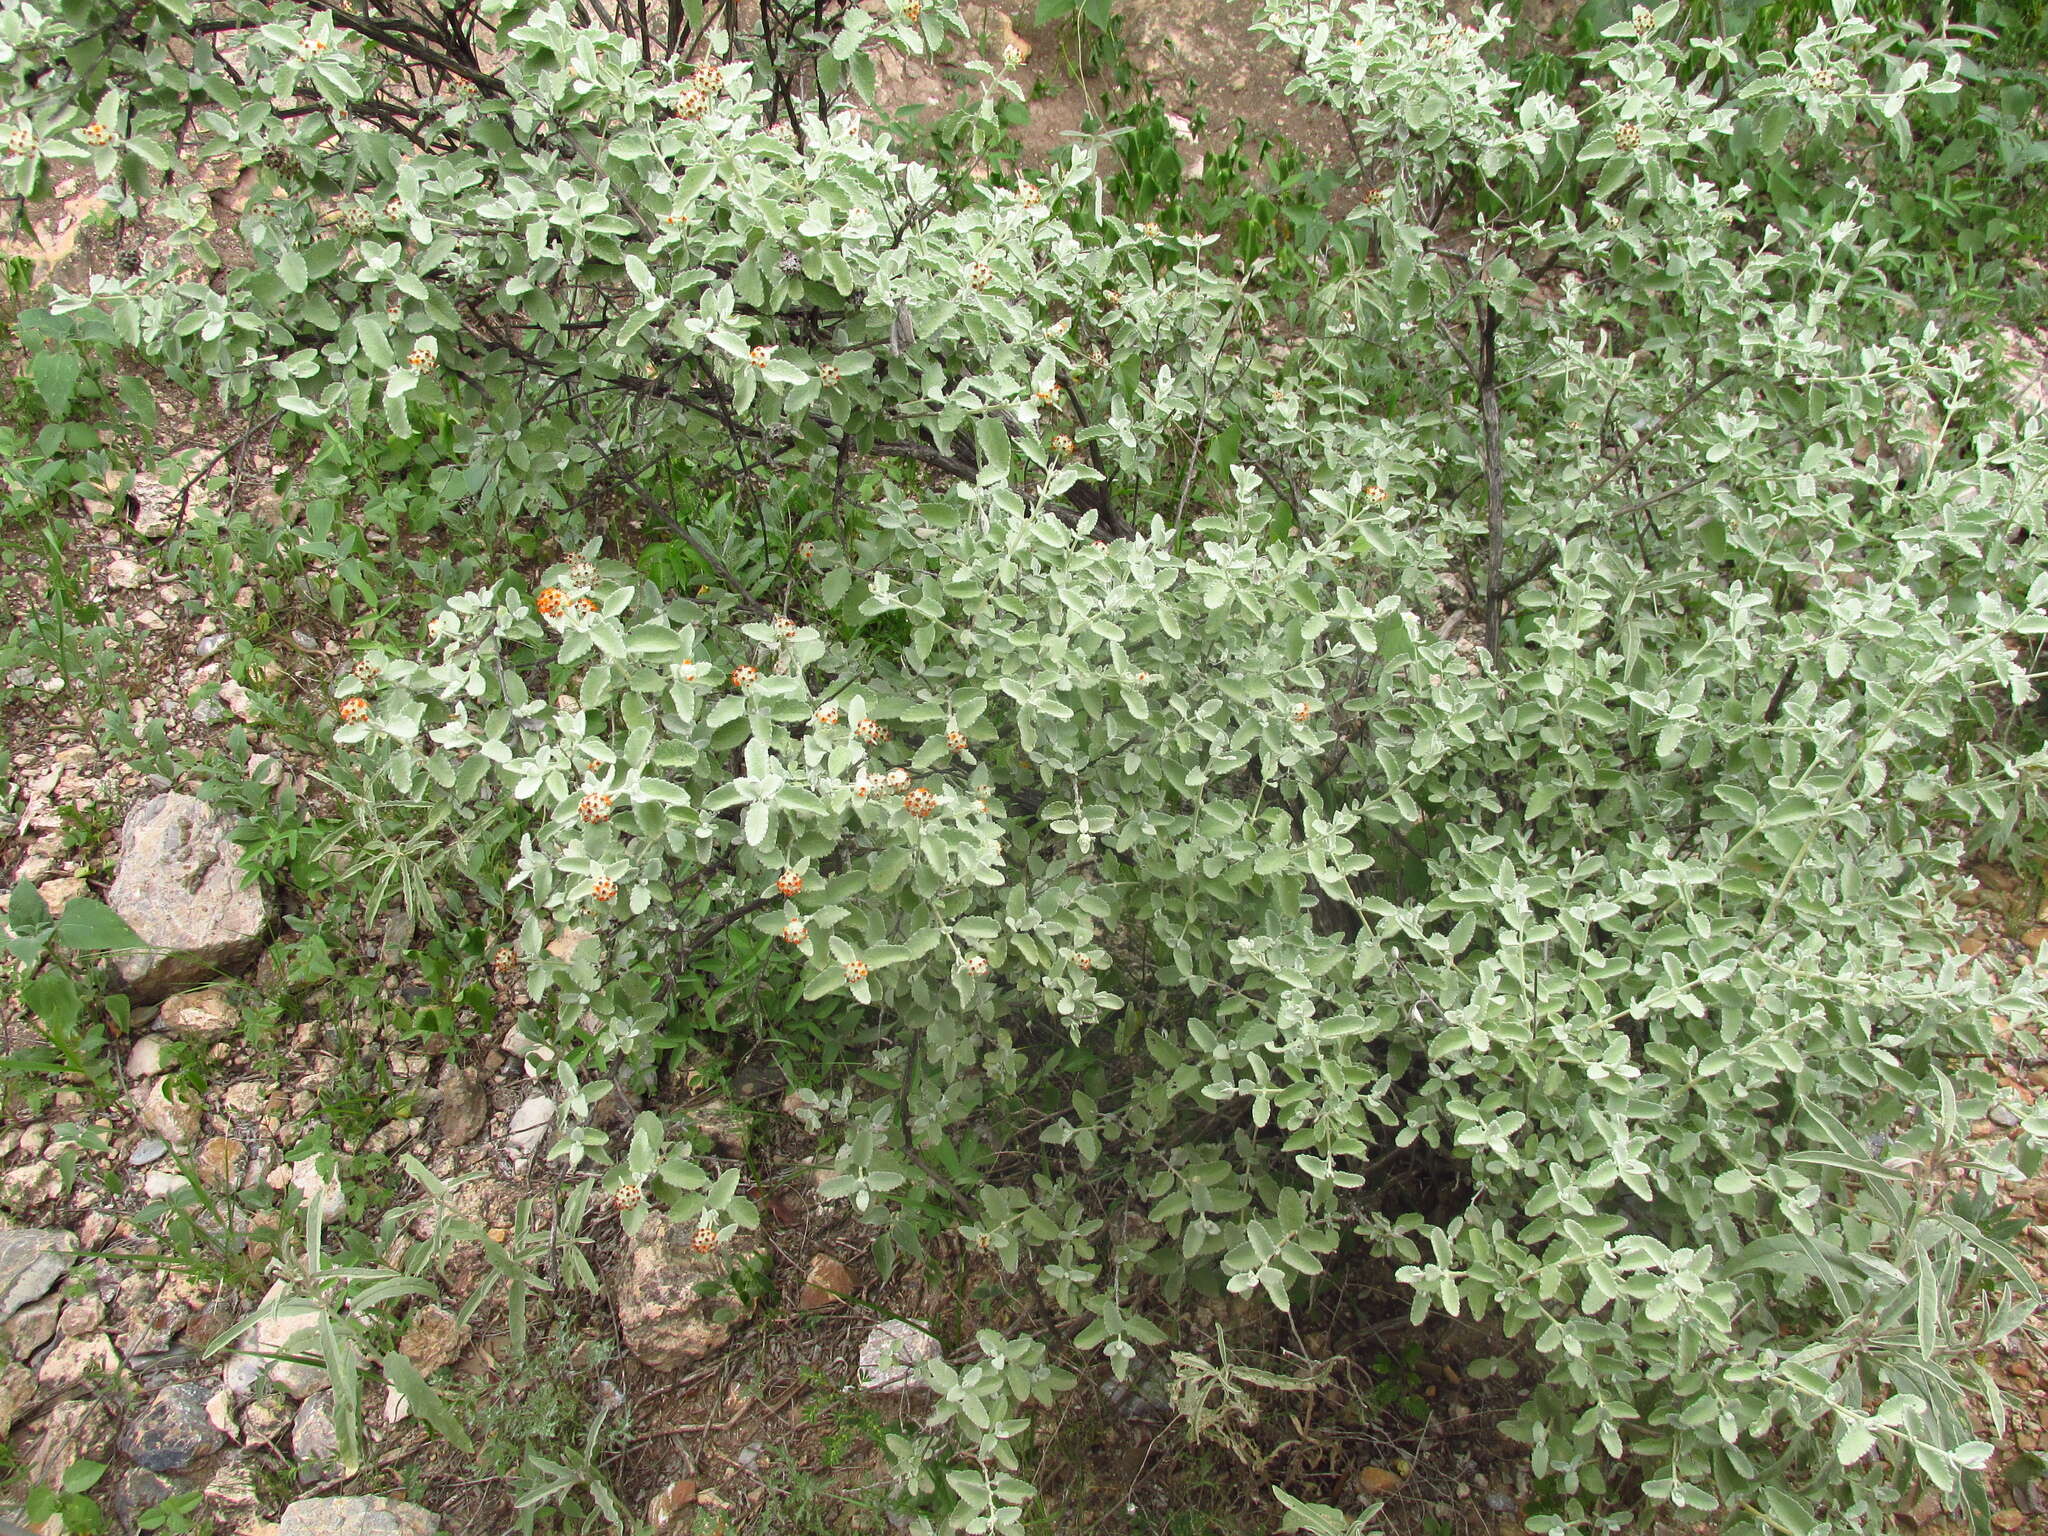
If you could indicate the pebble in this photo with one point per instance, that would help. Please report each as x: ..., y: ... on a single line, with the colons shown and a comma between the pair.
x: 890, y: 1353
x: 126, y: 574
x: 529, y: 1127
x: 146, y: 1058
x: 2002, y: 1114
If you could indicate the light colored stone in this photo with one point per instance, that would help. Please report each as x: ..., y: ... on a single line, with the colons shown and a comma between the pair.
x: 286, y: 1328
x: 204, y: 1016
x: 33, y: 1327
x: 180, y: 887
x: 125, y: 574
x: 220, y: 1413
x: 221, y: 1161
x: 71, y: 1362
x: 148, y: 1057
x: 88, y: 1314
x: 312, y: 1185
x: 32, y: 1260
x: 315, y: 1445
x: 249, y: 1099
x: 669, y: 1296
x: 357, y: 1517
x: 18, y: 1392
x: 162, y: 1183
x: 80, y: 1429
x: 891, y: 1352
x: 172, y: 1114
x: 59, y: 894
x: 529, y: 1127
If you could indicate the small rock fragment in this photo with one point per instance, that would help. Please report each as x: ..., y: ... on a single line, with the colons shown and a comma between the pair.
x: 357, y: 1517
x: 204, y: 1016
x: 146, y: 1058
x: 314, y: 1186
x: 827, y: 1283
x: 890, y: 1354
x: 529, y: 1127
x: 316, y: 1448
x: 173, y: 1114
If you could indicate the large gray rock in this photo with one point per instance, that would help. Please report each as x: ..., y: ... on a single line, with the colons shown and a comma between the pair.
x: 180, y: 887
x: 676, y: 1305
x: 32, y: 1261
x: 173, y: 1431
x: 357, y: 1517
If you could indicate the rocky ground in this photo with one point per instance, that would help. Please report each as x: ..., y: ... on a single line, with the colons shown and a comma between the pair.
x: 162, y: 1314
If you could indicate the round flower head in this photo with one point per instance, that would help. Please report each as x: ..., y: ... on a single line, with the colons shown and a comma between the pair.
x: 553, y: 602
x: 602, y: 889
x: 759, y: 356
x: 1028, y: 195
x: 1061, y: 443
x: 785, y: 626
x: 974, y: 965
x: 98, y: 135
x: 692, y: 103
x: 705, y: 1240
x: 1302, y: 712
x: 582, y: 574
x: 1628, y: 138
x: 805, y: 550
x: 1375, y: 495
x: 828, y: 375
x: 828, y: 714
x: 365, y: 669
x: 586, y: 607
x: 896, y: 778
x: 856, y: 970
x: 979, y: 275
x: 920, y: 803
x: 956, y: 741
x: 355, y: 710
x: 869, y: 731
x: 595, y: 808
x: 790, y: 883
x: 20, y: 141
x: 863, y: 786
x: 744, y: 676
x: 626, y: 1197
x: 395, y: 209
x: 1643, y: 21
x: 794, y: 932
x: 419, y: 360
x: 1084, y: 962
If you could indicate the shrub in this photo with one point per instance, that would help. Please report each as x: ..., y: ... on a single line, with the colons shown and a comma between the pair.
x: 1506, y: 718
